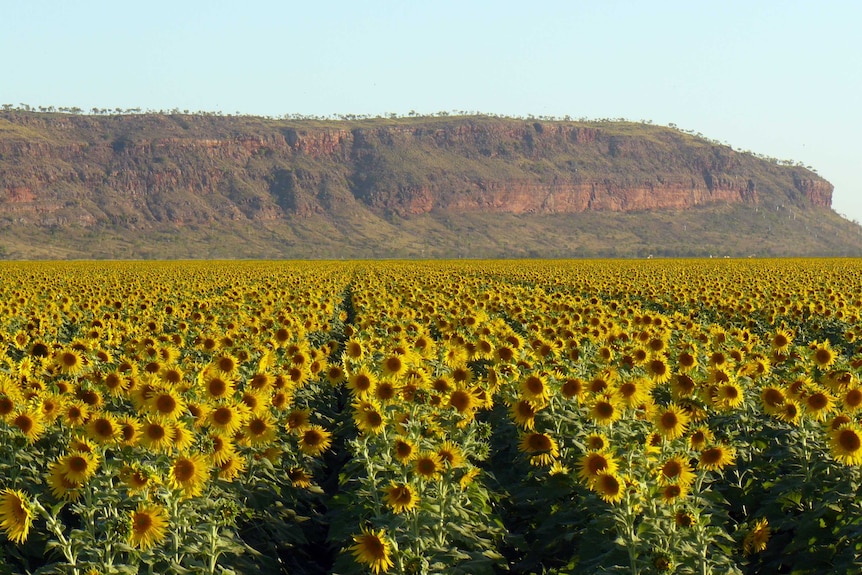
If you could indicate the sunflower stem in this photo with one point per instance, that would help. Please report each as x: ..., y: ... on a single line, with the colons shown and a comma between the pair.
x: 441, y: 529
x: 57, y: 529
x: 213, y: 558
x: 372, y: 478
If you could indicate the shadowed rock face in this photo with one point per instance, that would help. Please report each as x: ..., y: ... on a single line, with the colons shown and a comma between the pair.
x: 143, y: 170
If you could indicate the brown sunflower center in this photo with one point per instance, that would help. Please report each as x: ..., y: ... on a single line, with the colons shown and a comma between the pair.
x: 604, y: 409
x: 460, y: 400
x: 217, y: 387
x: 597, y: 463
x: 312, y: 437
x: 103, y: 427
x: 223, y: 415
x: 257, y: 426
x: 184, y: 470
x: 669, y: 420
x: 77, y: 463
x: 24, y: 422
x: 849, y: 440
x: 817, y: 401
x: 143, y: 522
x: 672, y: 468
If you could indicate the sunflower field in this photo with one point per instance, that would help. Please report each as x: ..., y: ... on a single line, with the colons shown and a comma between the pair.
x: 470, y: 417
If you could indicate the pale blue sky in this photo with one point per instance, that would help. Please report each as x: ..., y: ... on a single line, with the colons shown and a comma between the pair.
x: 781, y: 78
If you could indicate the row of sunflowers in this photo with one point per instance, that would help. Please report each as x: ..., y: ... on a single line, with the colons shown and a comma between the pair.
x: 431, y: 417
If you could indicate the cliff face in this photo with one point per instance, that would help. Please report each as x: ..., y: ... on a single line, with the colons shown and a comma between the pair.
x: 146, y: 170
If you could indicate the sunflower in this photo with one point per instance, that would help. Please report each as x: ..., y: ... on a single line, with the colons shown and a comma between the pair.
x: 147, y: 525
x: 846, y: 444
x: 443, y: 384
x: 219, y: 448
x: 672, y: 492
x: 156, y: 435
x: 167, y: 403
x: 83, y: 444
x: 684, y: 519
x: 772, y: 397
x: 228, y: 418
x: 52, y: 404
x: 335, y: 374
x: 404, y: 450
x: 129, y: 430
x: 362, y: 382
x: 79, y: 466
x: 69, y: 361
x: 225, y: 365
x: 401, y: 497
x: 61, y: 487
x: 819, y: 404
x: 781, y: 340
x: 386, y: 390
x: 230, y: 469
x: 75, y: 413
x: 189, y: 473
x: 137, y: 478
x: 756, y: 540
x: 298, y: 420
x: 716, y: 458
x: 634, y: 391
x: 372, y: 548
x: 524, y: 414
x: 609, y: 486
x: 353, y: 349
x: 683, y: 385
x: 464, y: 401
x: 658, y: 369
x: 686, y: 360
x: 789, y: 412
x: 451, y: 454
x: 29, y: 422
x: 260, y: 429
x: 182, y: 438
x: 757, y: 366
x: 605, y: 409
x: 728, y: 396
x: 314, y: 440
x: 540, y: 447
x: 393, y: 365
x: 9, y: 399
x: 594, y: 462
x: 218, y: 386
x: 172, y: 375
x: 16, y: 515
x: 368, y: 417
x: 428, y: 465
x: 852, y: 399
x: 534, y: 388
x: 299, y: 477
x: 671, y: 421
x: 261, y: 381
x: 822, y: 354
x: 573, y: 388
x: 102, y: 428
x: 837, y: 421
x: 281, y: 399
x: 699, y: 438
x: 424, y: 345
x: 597, y: 442
x: 675, y: 470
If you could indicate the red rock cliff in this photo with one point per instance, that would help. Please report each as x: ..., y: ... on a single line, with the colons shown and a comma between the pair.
x: 141, y: 169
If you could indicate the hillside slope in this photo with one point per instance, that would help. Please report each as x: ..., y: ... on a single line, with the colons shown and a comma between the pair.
x: 189, y: 186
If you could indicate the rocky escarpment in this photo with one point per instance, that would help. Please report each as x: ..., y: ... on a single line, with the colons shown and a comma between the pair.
x: 139, y: 171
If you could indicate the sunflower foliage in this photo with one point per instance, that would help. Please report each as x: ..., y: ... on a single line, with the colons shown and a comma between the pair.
x: 431, y: 417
